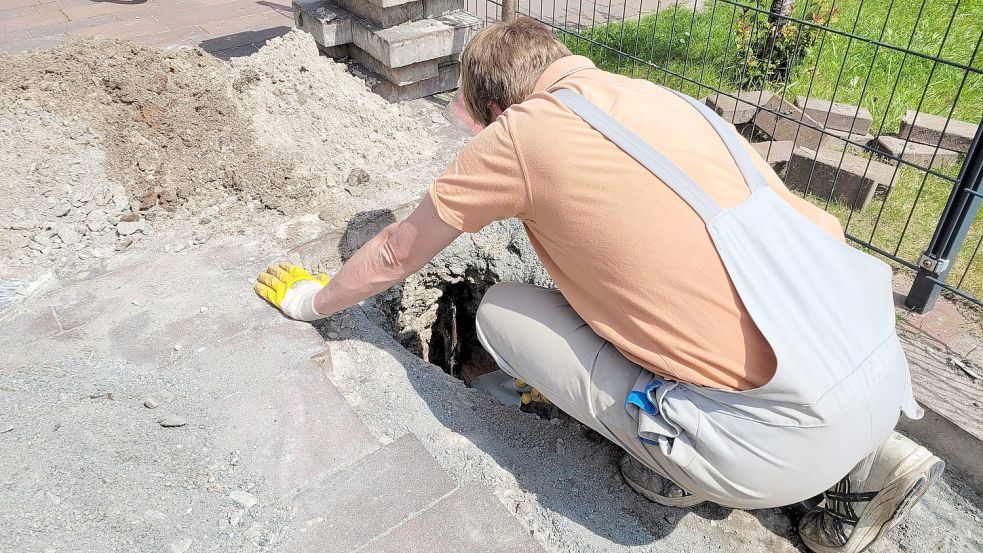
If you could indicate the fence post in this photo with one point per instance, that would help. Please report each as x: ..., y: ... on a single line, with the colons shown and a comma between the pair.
x: 957, y: 217
x: 509, y: 9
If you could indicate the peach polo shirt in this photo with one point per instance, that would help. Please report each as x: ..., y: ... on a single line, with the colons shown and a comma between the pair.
x: 634, y: 261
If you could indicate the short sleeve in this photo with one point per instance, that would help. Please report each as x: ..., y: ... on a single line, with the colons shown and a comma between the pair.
x: 484, y: 184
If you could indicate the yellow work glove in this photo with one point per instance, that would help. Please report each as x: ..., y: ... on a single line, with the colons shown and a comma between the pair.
x: 291, y: 289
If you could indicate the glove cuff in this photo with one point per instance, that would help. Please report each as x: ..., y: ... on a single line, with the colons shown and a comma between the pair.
x: 299, y: 302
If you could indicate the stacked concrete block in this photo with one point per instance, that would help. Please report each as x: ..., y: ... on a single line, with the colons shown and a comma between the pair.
x: 781, y: 120
x: 777, y: 154
x: 836, y: 116
x: 825, y: 147
x: 934, y: 130
x: 846, y: 178
x: 921, y: 155
x: 843, y: 140
x: 409, y: 48
x: 741, y: 109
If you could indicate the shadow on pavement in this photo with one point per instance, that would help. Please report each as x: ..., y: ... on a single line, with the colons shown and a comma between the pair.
x: 241, y: 44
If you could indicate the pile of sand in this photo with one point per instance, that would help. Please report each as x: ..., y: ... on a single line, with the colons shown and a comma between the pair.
x: 102, y: 142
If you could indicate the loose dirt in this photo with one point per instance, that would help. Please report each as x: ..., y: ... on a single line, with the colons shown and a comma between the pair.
x: 105, y: 143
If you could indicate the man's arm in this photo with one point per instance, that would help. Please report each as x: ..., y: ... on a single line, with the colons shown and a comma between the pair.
x: 398, y: 251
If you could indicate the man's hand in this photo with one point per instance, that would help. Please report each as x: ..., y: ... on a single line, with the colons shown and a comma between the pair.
x: 291, y: 289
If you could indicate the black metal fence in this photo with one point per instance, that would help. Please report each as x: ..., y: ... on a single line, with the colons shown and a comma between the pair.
x: 868, y: 108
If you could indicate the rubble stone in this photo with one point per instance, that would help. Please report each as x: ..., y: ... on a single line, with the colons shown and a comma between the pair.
x: 126, y: 228
x: 934, y: 130
x: 836, y: 116
x: 846, y: 178
x: 68, y: 235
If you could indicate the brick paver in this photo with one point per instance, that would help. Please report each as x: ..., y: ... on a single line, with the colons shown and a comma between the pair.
x: 225, y: 28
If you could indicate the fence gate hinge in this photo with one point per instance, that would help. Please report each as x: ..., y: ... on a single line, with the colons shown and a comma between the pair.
x: 936, y: 266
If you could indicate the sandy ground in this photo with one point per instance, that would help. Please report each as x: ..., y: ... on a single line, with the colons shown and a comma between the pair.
x: 113, y: 156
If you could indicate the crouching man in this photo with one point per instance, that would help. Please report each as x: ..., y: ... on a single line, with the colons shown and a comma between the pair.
x: 710, y: 323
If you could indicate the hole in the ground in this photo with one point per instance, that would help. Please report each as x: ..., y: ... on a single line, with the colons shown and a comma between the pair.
x: 434, y: 318
x: 432, y: 314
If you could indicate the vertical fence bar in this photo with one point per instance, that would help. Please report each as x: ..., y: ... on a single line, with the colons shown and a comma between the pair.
x: 959, y: 213
x: 509, y: 9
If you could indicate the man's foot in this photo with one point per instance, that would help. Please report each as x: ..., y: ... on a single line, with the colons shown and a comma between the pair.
x: 872, y: 499
x: 654, y: 486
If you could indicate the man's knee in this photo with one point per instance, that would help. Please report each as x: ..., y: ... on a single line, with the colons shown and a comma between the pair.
x: 491, y: 312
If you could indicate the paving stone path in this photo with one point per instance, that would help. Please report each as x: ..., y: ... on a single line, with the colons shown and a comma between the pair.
x: 289, y: 462
x: 226, y: 28
x: 230, y: 28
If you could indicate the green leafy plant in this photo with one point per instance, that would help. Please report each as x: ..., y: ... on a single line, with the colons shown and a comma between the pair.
x: 769, y: 45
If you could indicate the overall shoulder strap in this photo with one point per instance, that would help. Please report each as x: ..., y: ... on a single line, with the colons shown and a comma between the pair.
x: 752, y: 175
x: 674, y: 177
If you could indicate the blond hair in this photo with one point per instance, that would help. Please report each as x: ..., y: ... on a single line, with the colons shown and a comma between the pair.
x: 502, y: 63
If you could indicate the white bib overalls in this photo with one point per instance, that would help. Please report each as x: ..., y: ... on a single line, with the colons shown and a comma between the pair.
x: 827, y: 311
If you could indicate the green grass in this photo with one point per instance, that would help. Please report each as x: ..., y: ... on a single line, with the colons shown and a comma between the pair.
x: 687, y: 47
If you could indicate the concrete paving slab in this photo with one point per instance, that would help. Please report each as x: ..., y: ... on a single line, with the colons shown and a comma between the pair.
x: 446, y: 79
x: 776, y: 153
x: 922, y: 155
x: 741, y: 109
x: 844, y: 177
x: 780, y: 120
x: 470, y: 519
x: 314, y: 430
x: 349, y: 508
x: 328, y: 25
x: 396, y: 76
x: 408, y: 43
x: 936, y: 130
x: 835, y: 115
x: 384, y: 17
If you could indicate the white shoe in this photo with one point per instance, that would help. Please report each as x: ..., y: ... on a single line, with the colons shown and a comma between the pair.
x: 872, y: 499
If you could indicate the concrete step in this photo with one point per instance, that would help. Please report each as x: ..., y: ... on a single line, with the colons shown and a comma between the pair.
x: 470, y: 519
x: 349, y: 508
